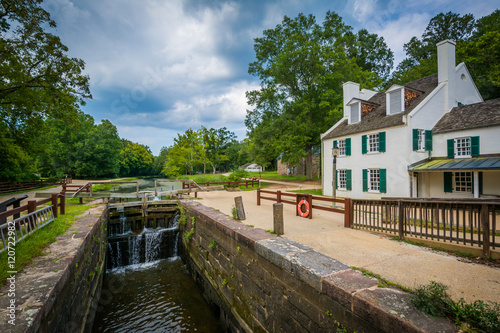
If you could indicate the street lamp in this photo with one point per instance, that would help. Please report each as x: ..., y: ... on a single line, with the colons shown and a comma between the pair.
x: 335, y: 153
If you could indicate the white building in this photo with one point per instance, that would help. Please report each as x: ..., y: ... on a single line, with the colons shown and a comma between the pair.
x: 251, y: 167
x: 433, y: 137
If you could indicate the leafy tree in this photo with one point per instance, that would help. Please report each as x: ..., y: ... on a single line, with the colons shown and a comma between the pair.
x: 302, y: 66
x: 81, y: 148
x: 478, y: 44
x: 135, y: 159
x: 37, y: 77
x: 185, y: 155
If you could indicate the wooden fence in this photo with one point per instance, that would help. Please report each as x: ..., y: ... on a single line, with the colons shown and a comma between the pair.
x: 7, y: 187
x: 13, y: 231
x: 313, y: 202
x: 465, y: 222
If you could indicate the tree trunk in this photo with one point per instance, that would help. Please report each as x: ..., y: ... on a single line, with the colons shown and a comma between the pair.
x: 309, y: 163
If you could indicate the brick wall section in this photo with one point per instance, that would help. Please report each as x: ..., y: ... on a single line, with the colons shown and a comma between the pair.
x: 59, y: 290
x: 264, y: 283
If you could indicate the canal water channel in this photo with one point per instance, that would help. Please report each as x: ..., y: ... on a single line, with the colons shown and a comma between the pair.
x: 147, y: 287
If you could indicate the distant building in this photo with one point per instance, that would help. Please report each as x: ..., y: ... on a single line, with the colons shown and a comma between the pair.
x: 288, y: 169
x: 251, y: 167
x: 433, y: 137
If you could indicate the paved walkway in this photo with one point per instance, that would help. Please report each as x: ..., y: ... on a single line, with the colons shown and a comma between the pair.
x: 402, y: 263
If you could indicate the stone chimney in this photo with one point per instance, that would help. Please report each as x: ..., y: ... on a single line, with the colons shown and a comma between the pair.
x: 351, y: 90
x: 446, y: 70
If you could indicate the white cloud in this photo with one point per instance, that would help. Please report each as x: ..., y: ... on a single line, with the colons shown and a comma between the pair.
x: 398, y: 32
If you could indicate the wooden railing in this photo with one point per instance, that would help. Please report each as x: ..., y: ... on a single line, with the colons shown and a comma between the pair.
x: 7, y: 187
x: 31, y: 206
x: 464, y: 222
x: 246, y: 183
x: 313, y: 202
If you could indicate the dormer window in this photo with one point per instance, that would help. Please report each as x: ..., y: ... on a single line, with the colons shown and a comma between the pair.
x: 354, y: 113
x: 395, y: 101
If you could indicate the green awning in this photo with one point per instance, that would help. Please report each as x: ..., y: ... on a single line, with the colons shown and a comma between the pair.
x: 457, y: 164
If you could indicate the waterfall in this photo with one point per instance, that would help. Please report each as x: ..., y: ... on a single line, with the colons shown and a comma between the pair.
x: 134, y: 245
x: 111, y: 256
x: 148, y: 246
x: 153, y: 243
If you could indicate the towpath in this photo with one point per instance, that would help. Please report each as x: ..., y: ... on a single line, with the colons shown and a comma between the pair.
x: 398, y: 262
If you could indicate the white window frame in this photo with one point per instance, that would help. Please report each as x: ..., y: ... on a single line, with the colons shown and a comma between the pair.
x: 421, y: 140
x: 463, y: 182
x: 358, y: 111
x: 374, y: 180
x: 341, y: 146
x: 388, y: 97
x: 342, y: 179
x: 463, y: 147
x: 372, y: 143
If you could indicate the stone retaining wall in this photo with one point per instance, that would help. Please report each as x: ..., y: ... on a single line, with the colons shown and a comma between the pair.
x: 59, y: 290
x: 263, y: 283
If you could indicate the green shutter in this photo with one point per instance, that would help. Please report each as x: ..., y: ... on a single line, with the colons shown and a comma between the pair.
x: 474, y: 146
x: 480, y: 182
x: 448, y: 182
x: 415, y: 139
x: 451, y: 148
x: 364, y: 148
x: 381, y: 142
x: 365, y: 180
x: 335, y: 144
x: 336, y: 179
x: 348, y: 147
x: 383, y: 180
x: 428, y: 140
x: 348, y: 176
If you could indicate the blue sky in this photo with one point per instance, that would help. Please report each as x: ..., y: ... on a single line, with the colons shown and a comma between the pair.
x: 158, y: 67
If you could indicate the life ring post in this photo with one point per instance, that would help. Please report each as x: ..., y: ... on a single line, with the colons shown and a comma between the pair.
x: 304, y: 205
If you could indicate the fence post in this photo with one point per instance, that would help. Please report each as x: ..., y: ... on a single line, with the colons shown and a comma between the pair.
x: 62, y: 204
x: 54, y: 204
x: 278, y: 196
x: 278, y: 225
x: 347, y: 213
x: 401, y: 218
x: 238, y: 201
x: 485, y: 224
x: 64, y: 188
x: 258, y: 197
x: 31, y: 206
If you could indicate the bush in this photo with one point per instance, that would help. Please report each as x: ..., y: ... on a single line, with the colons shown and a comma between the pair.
x: 434, y: 300
x: 238, y: 175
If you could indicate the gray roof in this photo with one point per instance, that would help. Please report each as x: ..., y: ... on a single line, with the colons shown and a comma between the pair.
x: 476, y: 115
x: 377, y: 118
x: 450, y: 164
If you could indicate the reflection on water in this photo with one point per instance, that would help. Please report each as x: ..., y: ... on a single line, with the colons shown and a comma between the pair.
x: 158, y: 296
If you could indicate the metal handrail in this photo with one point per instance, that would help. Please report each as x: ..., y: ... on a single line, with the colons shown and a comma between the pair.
x: 25, y: 225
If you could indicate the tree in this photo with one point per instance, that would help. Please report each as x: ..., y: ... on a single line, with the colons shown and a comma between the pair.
x: 478, y: 45
x: 37, y: 78
x: 135, y: 159
x: 302, y: 66
x: 81, y: 148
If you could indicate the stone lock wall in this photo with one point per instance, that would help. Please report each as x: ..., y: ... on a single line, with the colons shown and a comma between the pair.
x: 59, y: 291
x: 263, y: 283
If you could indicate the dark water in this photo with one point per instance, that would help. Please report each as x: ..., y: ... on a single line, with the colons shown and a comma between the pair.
x: 158, y: 296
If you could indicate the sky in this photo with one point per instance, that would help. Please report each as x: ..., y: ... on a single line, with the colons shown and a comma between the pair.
x: 159, y: 67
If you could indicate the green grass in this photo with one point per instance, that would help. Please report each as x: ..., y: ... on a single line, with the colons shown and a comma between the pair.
x: 274, y: 175
x: 203, y: 178
x: 311, y: 191
x: 382, y: 282
x: 34, y: 245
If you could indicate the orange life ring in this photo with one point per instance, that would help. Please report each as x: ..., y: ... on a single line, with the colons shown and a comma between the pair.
x: 299, y: 208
